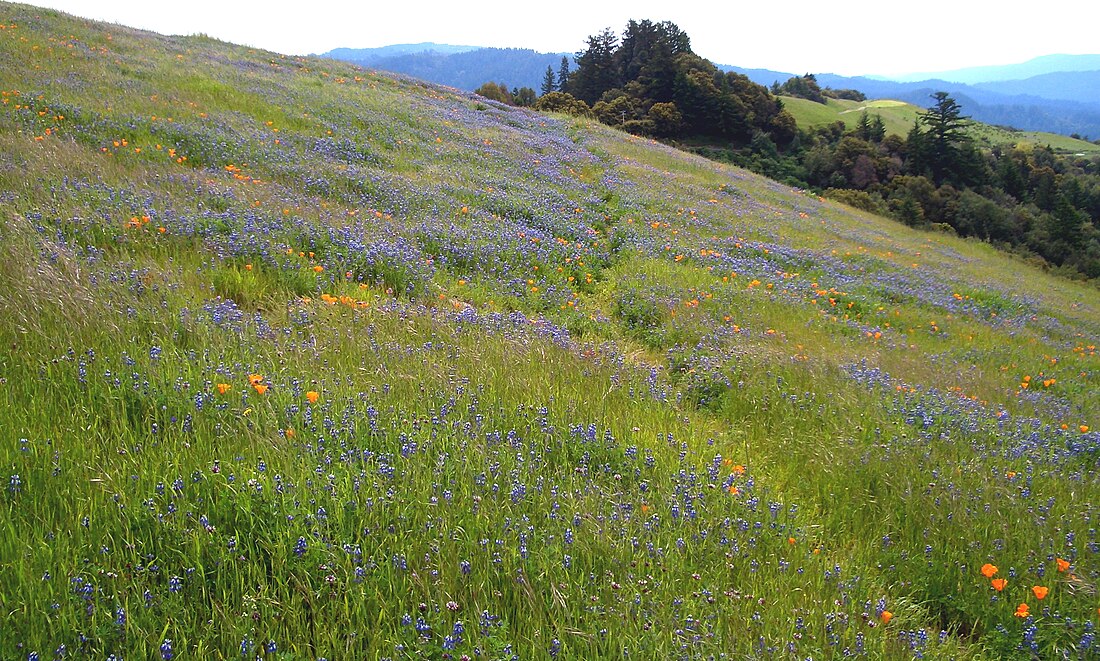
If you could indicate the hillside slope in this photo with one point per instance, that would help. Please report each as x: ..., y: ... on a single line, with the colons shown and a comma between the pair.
x: 308, y: 361
x: 898, y: 118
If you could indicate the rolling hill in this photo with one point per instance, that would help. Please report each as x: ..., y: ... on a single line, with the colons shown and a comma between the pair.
x: 1016, y: 106
x: 898, y: 117
x: 305, y: 360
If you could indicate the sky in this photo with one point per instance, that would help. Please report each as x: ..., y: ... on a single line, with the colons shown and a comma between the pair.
x: 852, y: 37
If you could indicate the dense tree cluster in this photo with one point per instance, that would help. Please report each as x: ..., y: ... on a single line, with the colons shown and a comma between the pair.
x: 846, y: 94
x: 807, y: 87
x: 802, y: 87
x: 650, y: 82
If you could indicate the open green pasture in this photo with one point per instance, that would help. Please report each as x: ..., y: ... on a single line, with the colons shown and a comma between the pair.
x: 898, y: 117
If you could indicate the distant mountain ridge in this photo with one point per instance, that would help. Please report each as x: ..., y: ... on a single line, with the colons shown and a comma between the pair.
x: 1054, y: 93
x: 1038, y: 66
x: 1082, y: 86
x: 464, y: 67
x: 394, y: 50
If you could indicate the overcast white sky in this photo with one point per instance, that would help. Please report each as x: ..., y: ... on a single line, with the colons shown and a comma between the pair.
x: 849, y: 37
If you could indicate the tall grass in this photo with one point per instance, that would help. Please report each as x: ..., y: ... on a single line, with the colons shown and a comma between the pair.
x: 334, y: 364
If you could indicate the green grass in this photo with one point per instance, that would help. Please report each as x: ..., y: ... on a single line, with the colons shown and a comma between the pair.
x: 898, y: 117
x: 416, y: 376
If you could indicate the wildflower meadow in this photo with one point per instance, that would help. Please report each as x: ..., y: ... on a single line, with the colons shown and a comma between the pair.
x: 303, y: 361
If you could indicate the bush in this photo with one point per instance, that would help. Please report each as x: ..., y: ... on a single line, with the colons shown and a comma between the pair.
x: 859, y: 199
x: 561, y: 102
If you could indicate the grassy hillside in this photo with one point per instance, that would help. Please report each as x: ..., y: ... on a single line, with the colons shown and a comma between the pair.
x: 306, y: 361
x: 899, y: 117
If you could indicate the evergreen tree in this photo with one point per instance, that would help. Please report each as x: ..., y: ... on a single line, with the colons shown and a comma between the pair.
x: 657, y: 77
x: 916, y: 150
x: 1044, y: 187
x: 563, y: 75
x: 946, y: 132
x: 1010, y: 173
x: 647, y: 48
x: 863, y: 127
x: 878, y: 129
x: 596, y: 70
x: 548, y: 82
x: 1066, y: 223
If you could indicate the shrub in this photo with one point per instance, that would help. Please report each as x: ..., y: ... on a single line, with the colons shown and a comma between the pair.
x: 561, y: 102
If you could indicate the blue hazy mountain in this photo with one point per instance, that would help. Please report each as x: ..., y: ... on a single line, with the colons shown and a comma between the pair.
x: 395, y: 50
x: 460, y: 66
x: 1082, y: 86
x: 1039, y: 66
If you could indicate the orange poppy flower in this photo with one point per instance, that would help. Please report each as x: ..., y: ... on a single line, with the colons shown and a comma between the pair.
x: 312, y: 396
x: 999, y: 584
x: 1062, y: 564
x: 886, y: 617
x: 1022, y: 611
x: 1040, y: 591
x: 989, y: 570
x: 223, y: 388
x: 260, y: 388
x: 253, y: 379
